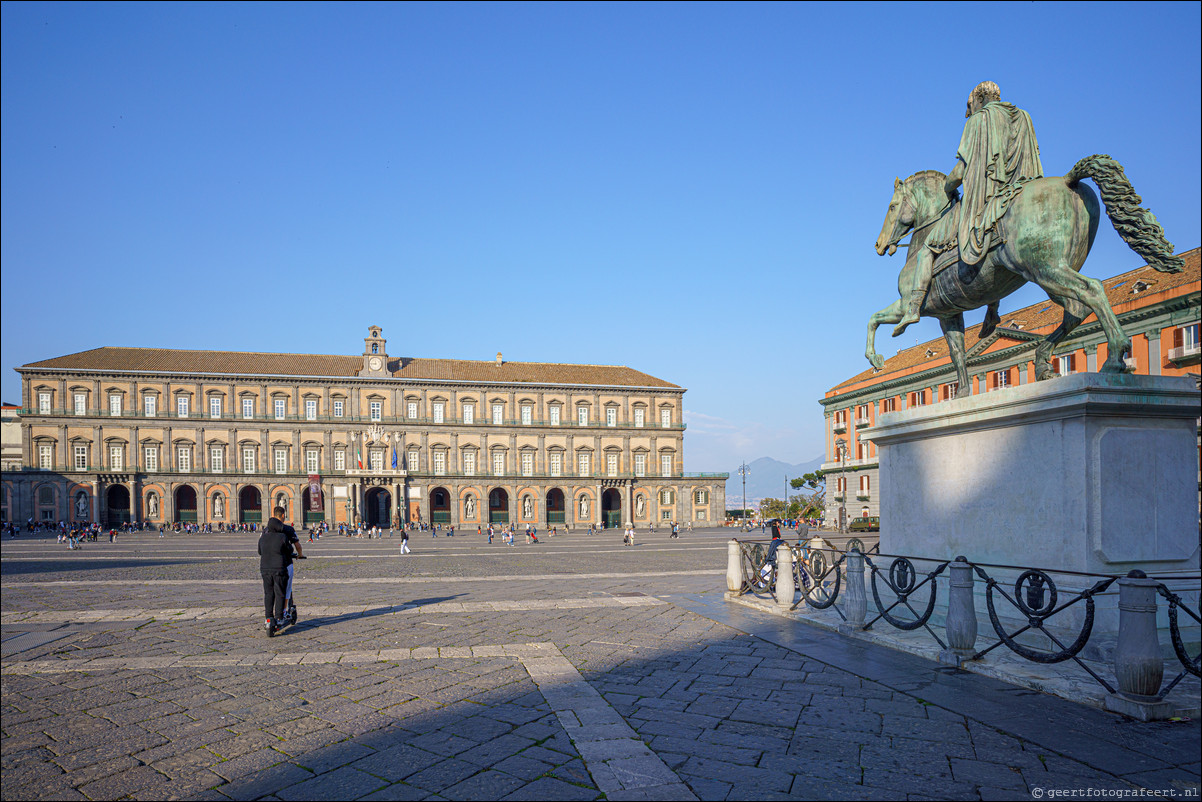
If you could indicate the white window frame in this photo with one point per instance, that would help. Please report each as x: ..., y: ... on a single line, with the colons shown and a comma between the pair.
x: 280, y: 460
x: 182, y: 406
x: 217, y: 459
x: 665, y: 464
x: 1001, y: 378
x: 376, y: 410
x: 310, y: 409
x: 415, y: 459
x: 339, y: 460
x: 469, y: 463
x: 248, y: 408
x: 44, y: 403
x: 411, y: 410
x: 611, y: 464
x: 440, y: 463
x: 45, y: 457
x: 280, y: 407
x: 150, y: 457
x: 248, y: 459
x: 183, y: 459
x: 312, y: 460
x: 337, y: 408
x: 81, y: 403
x: 439, y: 411
x: 553, y: 413
x: 527, y: 414
x: 640, y: 464
x: 665, y: 419
x: 214, y: 406
x: 557, y: 463
x: 114, y: 406
x: 584, y: 464
x: 469, y: 413
x: 80, y: 458
x: 498, y: 414
x: 527, y: 464
x: 582, y: 415
x: 611, y: 416
x: 375, y: 459
x: 498, y: 463
x: 640, y: 416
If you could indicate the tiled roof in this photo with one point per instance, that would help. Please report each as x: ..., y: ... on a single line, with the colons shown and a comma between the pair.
x: 1038, y: 318
x: 235, y: 363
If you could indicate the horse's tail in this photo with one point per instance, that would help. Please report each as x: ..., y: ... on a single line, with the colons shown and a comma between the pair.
x: 1138, y: 227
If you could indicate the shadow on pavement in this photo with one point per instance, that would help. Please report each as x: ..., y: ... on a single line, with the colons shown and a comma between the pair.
x: 313, y: 623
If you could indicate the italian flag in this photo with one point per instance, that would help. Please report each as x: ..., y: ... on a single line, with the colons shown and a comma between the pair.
x: 359, y: 457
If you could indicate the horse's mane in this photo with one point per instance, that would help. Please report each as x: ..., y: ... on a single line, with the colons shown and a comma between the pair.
x: 925, y: 174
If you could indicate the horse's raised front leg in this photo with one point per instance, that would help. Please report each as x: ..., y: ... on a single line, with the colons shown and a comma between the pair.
x: 1064, y: 282
x: 890, y: 314
x: 953, y: 332
x: 1074, y: 313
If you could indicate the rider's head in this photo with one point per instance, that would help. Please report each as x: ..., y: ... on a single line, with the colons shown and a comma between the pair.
x: 982, y: 93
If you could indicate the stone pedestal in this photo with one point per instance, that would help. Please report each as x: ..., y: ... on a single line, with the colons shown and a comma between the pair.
x: 1084, y: 473
x: 1088, y: 472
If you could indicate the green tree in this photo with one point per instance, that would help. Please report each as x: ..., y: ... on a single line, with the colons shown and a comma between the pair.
x: 812, y: 499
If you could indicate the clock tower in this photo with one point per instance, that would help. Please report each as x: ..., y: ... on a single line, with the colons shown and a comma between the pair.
x: 375, y: 356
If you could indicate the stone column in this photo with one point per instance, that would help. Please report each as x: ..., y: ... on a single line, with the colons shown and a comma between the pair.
x: 961, y: 624
x: 785, y: 586
x: 1091, y: 358
x: 734, y: 571
x: 1138, y: 664
x: 857, y: 601
x: 1154, y: 359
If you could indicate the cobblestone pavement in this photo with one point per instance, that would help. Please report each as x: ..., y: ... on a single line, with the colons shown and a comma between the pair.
x: 572, y: 669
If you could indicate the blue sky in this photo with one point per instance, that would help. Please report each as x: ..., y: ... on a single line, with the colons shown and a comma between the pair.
x: 691, y: 190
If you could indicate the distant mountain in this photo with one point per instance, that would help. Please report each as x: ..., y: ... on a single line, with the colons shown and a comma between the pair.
x: 765, y: 479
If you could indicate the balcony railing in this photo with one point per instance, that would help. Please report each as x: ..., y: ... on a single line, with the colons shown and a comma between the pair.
x: 1185, y: 352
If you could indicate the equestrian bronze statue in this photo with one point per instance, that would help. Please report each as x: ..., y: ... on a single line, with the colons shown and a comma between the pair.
x: 1013, y: 226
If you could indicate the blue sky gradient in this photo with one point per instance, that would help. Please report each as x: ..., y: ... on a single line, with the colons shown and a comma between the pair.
x: 691, y: 190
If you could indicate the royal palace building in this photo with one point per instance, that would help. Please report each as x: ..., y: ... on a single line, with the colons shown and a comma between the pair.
x: 121, y: 434
x: 1159, y: 311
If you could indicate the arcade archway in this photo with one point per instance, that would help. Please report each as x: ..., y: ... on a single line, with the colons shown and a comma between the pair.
x: 556, y: 507
x: 116, y: 500
x: 611, y: 508
x: 250, y: 505
x: 498, y: 506
x: 185, y: 504
x: 377, y: 507
x: 440, y: 506
x: 313, y: 516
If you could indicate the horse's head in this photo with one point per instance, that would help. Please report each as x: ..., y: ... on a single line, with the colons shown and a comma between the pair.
x: 914, y: 203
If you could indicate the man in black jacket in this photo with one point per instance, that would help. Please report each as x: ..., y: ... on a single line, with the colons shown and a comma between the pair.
x: 275, y: 556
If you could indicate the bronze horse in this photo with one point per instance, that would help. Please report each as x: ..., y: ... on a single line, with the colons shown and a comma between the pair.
x: 1046, y: 234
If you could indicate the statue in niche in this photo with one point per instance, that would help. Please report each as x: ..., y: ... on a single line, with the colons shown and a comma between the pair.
x: 152, y: 505
x: 469, y: 507
x: 527, y: 507
x: 81, y: 505
x: 584, y: 508
x: 640, y: 507
x: 282, y: 501
x: 219, y: 506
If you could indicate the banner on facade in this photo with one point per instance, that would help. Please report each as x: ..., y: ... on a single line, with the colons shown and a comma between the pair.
x: 315, y: 498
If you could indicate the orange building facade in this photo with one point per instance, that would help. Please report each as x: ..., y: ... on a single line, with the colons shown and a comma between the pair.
x: 1159, y: 311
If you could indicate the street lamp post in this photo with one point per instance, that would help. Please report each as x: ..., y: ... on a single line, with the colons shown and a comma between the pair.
x: 841, y: 445
x: 743, y: 471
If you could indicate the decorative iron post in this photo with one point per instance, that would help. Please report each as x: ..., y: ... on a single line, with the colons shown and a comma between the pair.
x: 961, y: 622
x: 857, y: 600
x: 785, y: 586
x: 734, y: 573
x: 1138, y: 663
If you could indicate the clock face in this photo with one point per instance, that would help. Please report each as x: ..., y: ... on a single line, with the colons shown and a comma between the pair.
x: 374, y: 363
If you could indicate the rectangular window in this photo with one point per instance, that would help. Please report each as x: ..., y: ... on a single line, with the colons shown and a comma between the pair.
x: 81, y: 458
x: 310, y: 409
x: 1064, y: 364
x: 639, y: 415
x: 183, y: 458
x: 1001, y: 379
x: 556, y: 464
x: 440, y: 463
x: 114, y: 406
x: 439, y: 409
x: 611, y: 464
x: 527, y: 464
x: 377, y: 410
x: 414, y: 460
x: 918, y: 398
x: 582, y: 416
x: 337, y: 409
x: 611, y: 416
x: 376, y: 459
x: 340, y: 460
x: 527, y: 415
x: 582, y: 463
x: 81, y: 404
x: 311, y: 461
x: 248, y: 408
x: 665, y: 515
x: 45, y: 458
x: 281, y: 408
x: 215, y: 407
x: 890, y: 404
x: 151, y: 455
x: 248, y: 460
x: 281, y: 460
x: 865, y: 484
x: 498, y: 463
x: 217, y: 459
x: 181, y: 406
x: 665, y: 418
x: 469, y: 413
x: 469, y: 462
x: 640, y: 464
x: 948, y: 391
x: 665, y: 497
x: 44, y: 403
x: 700, y: 497
x: 411, y: 410
x: 498, y: 414
x: 554, y: 414
x: 665, y: 464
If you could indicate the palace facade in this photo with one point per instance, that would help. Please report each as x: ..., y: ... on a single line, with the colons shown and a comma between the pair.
x: 121, y: 434
x: 1159, y: 311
